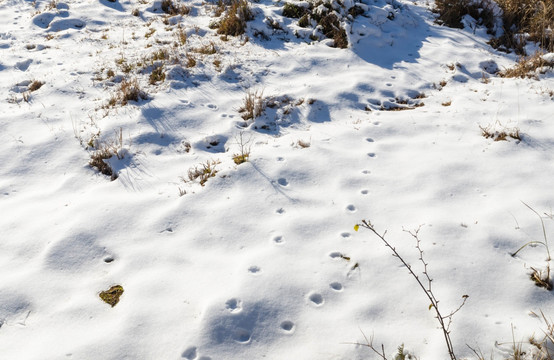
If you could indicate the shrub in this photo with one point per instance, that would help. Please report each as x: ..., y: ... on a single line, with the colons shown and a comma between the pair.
x: 293, y: 11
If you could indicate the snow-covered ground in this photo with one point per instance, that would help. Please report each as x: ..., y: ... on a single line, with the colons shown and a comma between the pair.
x: 262, y: 262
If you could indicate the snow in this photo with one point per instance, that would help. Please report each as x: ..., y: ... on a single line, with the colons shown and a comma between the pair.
x: 263, y: 261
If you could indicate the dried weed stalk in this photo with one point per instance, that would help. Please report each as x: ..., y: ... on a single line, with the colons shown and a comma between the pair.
x: 424, y: 283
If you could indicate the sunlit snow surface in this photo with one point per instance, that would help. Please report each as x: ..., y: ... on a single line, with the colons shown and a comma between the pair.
x: 263, y: 262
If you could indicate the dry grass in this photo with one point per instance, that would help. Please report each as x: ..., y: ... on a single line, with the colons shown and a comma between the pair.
x: 181, y: 35
x: 157, y: 75
x: 238, y: 12
x: 528, y: 67
x: 97, y: 161
x: 171, y: 8
x: 254, y: 105
x: 490, y: 132
x: 333, y: 30
x: 35, y: 85
x: 129, y: 90
x: 303, y: 144
x: 202, y: 173
x: 532, y: 17
x: 541, y: 278
x: 105, y: 151
x: 191, y: 61
x: 451, y: 12
x: 206, y: 49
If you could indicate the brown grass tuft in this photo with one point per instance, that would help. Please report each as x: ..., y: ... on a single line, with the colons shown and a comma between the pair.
x: 254, y: 105
x: 528, y: 67
x: 234, y: 21
x: 532, y: 17
x: 35, y: 85
x: 171, y: 8
x: 500, y: 135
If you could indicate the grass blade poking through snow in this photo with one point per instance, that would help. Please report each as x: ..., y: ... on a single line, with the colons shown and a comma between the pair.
x: 444, y: 320
x: 545, y: 243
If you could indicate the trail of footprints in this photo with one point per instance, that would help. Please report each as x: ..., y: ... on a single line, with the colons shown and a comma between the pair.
x: 314, y: 299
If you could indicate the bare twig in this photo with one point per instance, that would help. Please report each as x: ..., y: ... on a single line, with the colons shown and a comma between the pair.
x: 369, y: 343
x: 444, y: 321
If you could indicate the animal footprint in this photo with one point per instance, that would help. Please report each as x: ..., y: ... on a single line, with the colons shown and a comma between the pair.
x: 233, y: 305
x: 337, y: 286
x: 371, y: 155
x: 364, y: 192
x: 369, y: 140
x: 280, y: 211
x: 316, y: 299
x: 242, y: 336
x: 287, y: 326
x: 283, y: 182
x: 351, y: 208
x: 278, y: 239
x: 254, y: 269
x: 190, y: 353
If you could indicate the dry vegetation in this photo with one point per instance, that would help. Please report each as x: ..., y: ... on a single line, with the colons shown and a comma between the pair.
x: 532, y: 17
x: 104, y: 151
x: 528, y: 66
x: 502, y: 134
x: 237, y: 13
x: 202, y: 173
x: 519, y: 17
x: 171, y: 8
x: 253, y: 106
x: 325, y: 17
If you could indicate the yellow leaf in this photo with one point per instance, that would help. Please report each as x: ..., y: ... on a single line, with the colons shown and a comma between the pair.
x: 430, y: 306
x: 356, y: 227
